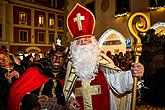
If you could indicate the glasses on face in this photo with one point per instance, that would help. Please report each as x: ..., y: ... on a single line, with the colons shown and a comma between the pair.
x: 83, y: 41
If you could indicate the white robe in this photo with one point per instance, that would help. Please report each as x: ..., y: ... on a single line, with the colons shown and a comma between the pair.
x: 120, y: 84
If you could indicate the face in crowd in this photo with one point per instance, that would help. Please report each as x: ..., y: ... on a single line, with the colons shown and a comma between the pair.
x: 4, y: 60
x: 57, y: 60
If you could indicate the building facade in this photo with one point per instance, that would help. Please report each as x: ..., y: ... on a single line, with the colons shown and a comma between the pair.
x: 114, y: 15
x: 31, y: 25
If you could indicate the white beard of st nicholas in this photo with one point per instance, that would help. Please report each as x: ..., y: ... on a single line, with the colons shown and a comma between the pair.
x: 85, y: 60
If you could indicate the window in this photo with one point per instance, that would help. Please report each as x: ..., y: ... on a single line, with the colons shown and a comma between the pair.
x: 60, y: 24
x: 155, y: 4
x: 122, y: 8
x: 114, y: 42
x: 51, y: 37
x: 51, y: 22
x: 23, y: 36
x: 41, y: 20
x: 41, y: 37
x: 22, y: 17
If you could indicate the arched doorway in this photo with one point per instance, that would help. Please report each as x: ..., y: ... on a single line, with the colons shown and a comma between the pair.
x: 159, y: 28
x: 113, y: 41
x: 33, y: 50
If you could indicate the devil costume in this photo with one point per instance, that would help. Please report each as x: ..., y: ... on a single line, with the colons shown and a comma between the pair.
x: 38, y: 79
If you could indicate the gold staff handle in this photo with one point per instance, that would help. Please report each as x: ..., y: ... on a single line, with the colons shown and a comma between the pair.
x: 141, y: 26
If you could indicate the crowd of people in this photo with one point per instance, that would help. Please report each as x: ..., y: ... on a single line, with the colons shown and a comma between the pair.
x: 122, y: 60
x: 153, y: 39
x: 79, y: 78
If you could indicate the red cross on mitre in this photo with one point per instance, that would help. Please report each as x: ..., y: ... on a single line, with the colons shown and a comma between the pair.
x: 80, y: 22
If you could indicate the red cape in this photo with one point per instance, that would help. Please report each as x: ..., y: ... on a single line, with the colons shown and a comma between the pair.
x: 29, y: 81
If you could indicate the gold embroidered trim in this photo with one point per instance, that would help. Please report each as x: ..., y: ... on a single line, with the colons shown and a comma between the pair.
x: 86, y: 91
x: 70, y: 83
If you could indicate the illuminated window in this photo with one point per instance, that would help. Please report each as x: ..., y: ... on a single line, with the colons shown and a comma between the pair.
x: 41, y: 37
x: 23, y: 36
x: 41, y: 20
x: 22, y: 17
x: 51, y: 37
x: 60, y: 4
x: 51, y: 21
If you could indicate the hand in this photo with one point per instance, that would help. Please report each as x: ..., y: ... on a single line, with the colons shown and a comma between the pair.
x: 137, y: 69
x: 15, y: 73
x: 73, y: 104
x: 12, y: 74
x: 42, y: 98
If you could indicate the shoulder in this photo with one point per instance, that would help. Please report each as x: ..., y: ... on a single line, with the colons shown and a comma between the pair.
x: 107, y: 62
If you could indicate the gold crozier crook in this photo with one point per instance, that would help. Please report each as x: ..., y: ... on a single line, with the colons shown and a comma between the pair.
x: 141, y: 26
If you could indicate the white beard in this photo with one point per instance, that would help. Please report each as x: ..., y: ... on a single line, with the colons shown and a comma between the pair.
x: 85, y: 60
